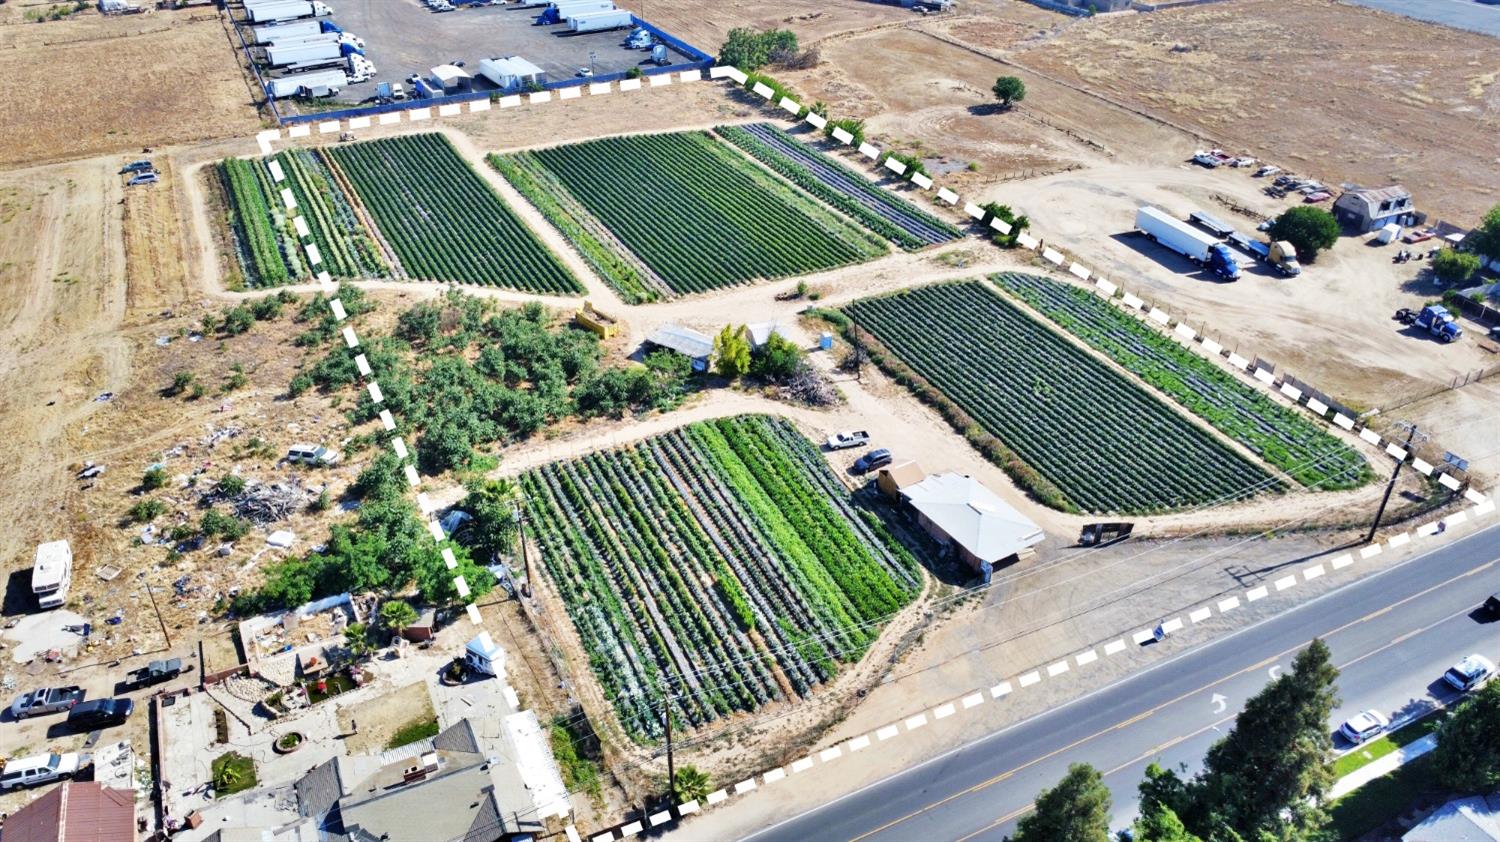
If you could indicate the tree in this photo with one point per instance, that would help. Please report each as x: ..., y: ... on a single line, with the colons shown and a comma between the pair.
x: 491, y: 529
x: 1454, y: 267
x: 180, y: 383
x: 1267, y: 775
x: 691, y: 785
x: 380, y: 479
x: 1308, y: 229
x: 1077, y: 809
x: 1467, y: 757
x: 1485, y: 239
x: 357, y: 640
x: 1159, y: 823
x: 1009, y: 90
x: 732, y: 351
x: 397, y: 614
x: 1017, y: 222
x: 778, y: 359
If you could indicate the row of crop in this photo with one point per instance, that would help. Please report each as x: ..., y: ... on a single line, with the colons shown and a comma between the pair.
x: 1281, y: 436
x: 551, y: 199
x: 343, y: 243
x: 698, y: 220
x: 1104, y: 442
x: 443, y: 221
x: 253, y: 222
x: 801, y: 176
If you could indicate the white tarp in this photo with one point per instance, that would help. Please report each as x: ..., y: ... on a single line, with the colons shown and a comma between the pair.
x: 537, y: 767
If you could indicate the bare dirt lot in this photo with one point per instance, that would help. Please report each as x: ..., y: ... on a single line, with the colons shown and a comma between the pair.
x: 96, y: 84
x: 1340, y: 92
x: 706, y: 23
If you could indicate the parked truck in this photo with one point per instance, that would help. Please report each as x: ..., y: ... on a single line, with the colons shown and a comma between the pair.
x: 316, y: 83
x: 295, y: 29
x: 352, y: 40
x: 287, y: 11
x: 1212, y: 224
x: 600, y: 21
x: 1278, y: 255
x: 561, y: 11
x: 1163, y: 228
x: 285, y: 56
x: 153, y: 673
x: 1435, y: 319
x: 52, y: 572
x: 46, y: 700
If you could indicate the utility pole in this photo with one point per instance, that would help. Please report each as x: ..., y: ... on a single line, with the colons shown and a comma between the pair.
x: 1411, y: 433
x: 671, y: 769
x: 525, y: 557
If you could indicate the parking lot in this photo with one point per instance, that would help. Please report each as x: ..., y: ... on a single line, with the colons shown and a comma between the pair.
x: 403, y: 37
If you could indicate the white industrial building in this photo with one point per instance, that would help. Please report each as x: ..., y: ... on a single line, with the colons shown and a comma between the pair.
x: 511, y: 73
x: 451, y: 78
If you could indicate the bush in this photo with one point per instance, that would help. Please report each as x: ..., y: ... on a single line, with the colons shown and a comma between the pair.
x: 1454, y: 267
x: 228, y: 527
x: 145, y: 511
x: 854, y: 127
x: 748, y: 49
x: 779, y: 359
x: 180, y: 383
x: 1017, y: 222
x: 381, y: 479
x: 230, y: 485
x: 913, y: 164
x: 266, y: 309
x: 154, y: 478
x: 237, y: 320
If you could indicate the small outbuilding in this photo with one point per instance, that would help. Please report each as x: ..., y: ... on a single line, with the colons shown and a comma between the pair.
x: 759, y: 333
x: 511, y: 73
x: 698, y: 347
x: 452, y: 78
x: 893, y: 480
x: 1364, y: 210
x: 960, y: 512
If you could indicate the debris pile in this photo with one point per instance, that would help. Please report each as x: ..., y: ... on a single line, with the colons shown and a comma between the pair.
x: 266, y: 503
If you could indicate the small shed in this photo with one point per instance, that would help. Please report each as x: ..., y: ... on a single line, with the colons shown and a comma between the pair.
x: 424, y: 628
x: 759, y: 333
x: 698, y: 347
x: 960, y: 512
x: 1365, y: 210
x: 483, y: 655
x: 452, y: 78
x: 892, y: 480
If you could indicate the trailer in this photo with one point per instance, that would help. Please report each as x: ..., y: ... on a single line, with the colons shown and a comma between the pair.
x: 1163, y: 228
x: 302, y: 84
x: 289, y: 10
x: 600, y: 21
x: 268, y: 33
x: 565, y: 9
x: 306, y: 53
x: 320, y: 38
x: 1212, y: 224
x: 52, y: 574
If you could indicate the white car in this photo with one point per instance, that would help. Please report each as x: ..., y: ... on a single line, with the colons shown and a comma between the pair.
x: 585, y: 72
x: 1470, y: 673
x: 312, y: 454
x: 39, y: 769
x: 1363, y: 726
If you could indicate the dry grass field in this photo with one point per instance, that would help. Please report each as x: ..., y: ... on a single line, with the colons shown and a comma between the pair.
x: 93, y: 84
x: 1339, y: 92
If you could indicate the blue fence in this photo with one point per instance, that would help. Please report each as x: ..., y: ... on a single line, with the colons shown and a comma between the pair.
x: 255, y: 68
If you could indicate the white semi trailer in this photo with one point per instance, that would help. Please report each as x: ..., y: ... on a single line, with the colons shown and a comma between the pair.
x: 287, y: 11
x: 307, y: 84
x: 599, y: 21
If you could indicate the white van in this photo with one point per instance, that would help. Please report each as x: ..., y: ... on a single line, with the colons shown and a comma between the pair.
x: 312, y: 454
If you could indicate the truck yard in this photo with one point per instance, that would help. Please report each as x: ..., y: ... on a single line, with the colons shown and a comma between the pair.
x: 499, y: 448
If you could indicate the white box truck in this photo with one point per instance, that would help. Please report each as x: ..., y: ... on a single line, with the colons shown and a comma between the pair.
x: 52, y: 574
x: 1168, y: 230
x: 291, y: 10
x: 599, y: 21
x: 564, y: 9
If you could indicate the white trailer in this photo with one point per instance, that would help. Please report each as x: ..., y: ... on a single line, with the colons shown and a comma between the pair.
x: 1187, y: 241
x: 52, y: 573
x: 279, y: 56
x: 270, y: 32
x: 301, y: 84
x: 287, y: 11
x: 600, y: 21
x: 322, y: 38
x: 510, y: 73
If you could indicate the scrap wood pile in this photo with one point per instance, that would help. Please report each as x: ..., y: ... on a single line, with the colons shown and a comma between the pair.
x: 269, y: 502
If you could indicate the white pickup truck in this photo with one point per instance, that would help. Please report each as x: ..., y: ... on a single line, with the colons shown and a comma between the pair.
x: 847, y: 439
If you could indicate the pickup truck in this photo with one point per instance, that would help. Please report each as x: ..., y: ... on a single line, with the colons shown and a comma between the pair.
x: 153, y: 673
x: 48, y: 700
x: 39, y: 769
x: 847, y: 439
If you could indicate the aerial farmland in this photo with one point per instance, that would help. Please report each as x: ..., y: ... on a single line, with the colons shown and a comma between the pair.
x: 708, y: 434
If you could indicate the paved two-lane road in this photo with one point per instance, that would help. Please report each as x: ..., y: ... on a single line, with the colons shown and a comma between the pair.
x: 1392, y: 635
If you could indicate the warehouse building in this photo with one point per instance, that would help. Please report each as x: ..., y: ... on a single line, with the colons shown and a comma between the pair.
x: 1363, y: 210
x: 962, y: 514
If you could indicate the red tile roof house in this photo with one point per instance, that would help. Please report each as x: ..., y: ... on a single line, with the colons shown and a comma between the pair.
x: 75, y: 812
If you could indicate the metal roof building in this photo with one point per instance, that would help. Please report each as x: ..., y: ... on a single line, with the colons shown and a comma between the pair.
x: 1370, y: 210
x: 960, y: 511
x: 75, y: 811
x: 698, y: 347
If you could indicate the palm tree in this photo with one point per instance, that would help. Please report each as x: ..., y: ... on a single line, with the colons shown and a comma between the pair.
x: 691, y: 785
x: 397, y: 614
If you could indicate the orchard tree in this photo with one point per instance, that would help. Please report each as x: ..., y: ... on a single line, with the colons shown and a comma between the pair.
x: 1077, y: 809
x: 1009, y: 90
x: 1467, y: 757
x: 1309, y: 230
x: 1485, y: 239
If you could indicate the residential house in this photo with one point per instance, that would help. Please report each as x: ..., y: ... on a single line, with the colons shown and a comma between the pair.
x: 75, y: 811
x: 960, y: 512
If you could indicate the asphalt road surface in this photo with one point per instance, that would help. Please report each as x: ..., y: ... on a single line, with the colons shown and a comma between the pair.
x: 1392, y: 635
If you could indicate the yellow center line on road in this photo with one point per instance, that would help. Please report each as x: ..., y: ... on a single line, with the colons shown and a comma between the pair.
x: 985, y: 784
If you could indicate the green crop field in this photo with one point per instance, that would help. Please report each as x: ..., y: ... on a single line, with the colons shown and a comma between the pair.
x: 1100, y: 440
x: 346, y: 247
x: 258, y: 222
x: 1282, y: 436
x: 700, y: 215
x: 721, y: 565
x: 443, y: 222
